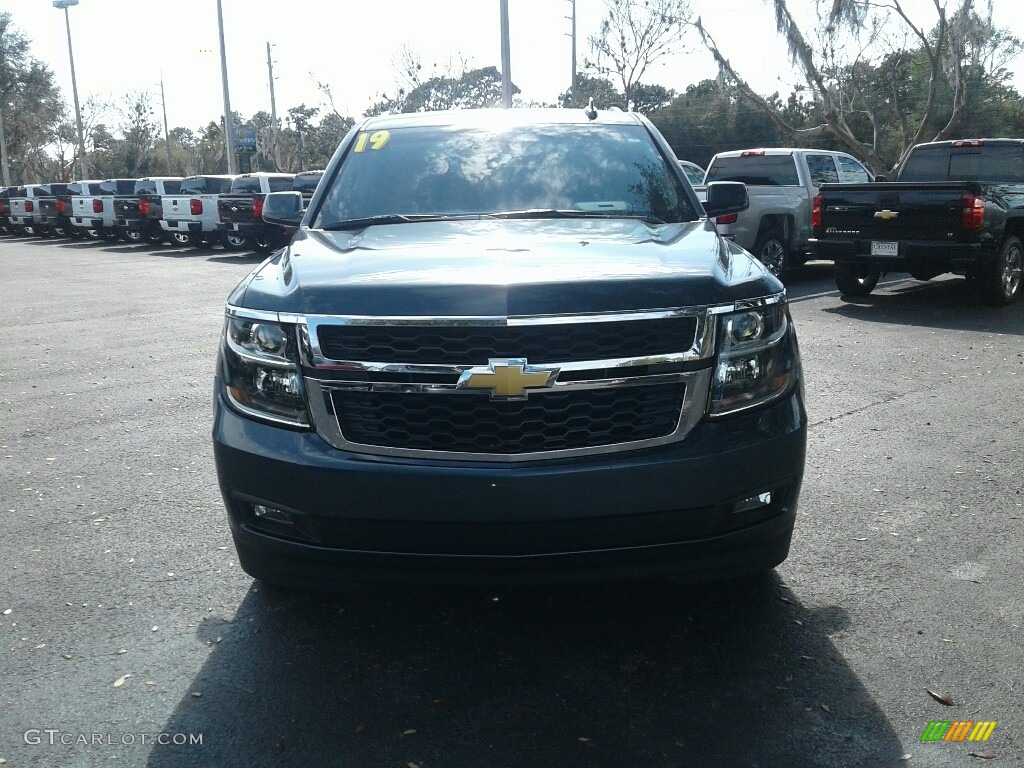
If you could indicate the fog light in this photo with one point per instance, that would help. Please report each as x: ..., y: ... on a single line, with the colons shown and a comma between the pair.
x: 753, y: 502
x: 271, y: 514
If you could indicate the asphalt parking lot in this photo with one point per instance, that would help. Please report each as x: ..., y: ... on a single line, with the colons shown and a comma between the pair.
x: 130, y: 636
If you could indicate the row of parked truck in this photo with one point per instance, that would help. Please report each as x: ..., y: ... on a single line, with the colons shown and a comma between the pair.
x: 198, y: 210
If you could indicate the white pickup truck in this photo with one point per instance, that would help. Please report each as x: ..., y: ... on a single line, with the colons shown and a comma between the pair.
x: 191, y: 216
x: 780, y: 183
x: 93, y: 209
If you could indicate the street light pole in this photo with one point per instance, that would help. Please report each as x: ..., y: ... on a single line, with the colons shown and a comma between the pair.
x: 506, y: 59
x: 229, y: 139
x: 64, y: 5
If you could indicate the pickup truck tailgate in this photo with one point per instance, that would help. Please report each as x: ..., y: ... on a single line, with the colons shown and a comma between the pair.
x: 924, y: 211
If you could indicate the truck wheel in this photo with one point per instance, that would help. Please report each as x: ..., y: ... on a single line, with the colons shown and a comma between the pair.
x: 156, y: 237
x: 262, y: 243
x: 133, y: 235
x: 110, y: 235
x: 181, y: 238
x: 854, y: 279
x: 235, y: 242
x: 770, y: 250
x: 200, y: 239
x: 1002, y: 283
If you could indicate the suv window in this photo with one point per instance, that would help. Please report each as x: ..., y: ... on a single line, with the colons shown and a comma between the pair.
x: 851, y: 172
x: 597, y: 169
x: 992, y: 163
x: 755, y: 170
x: 822, y: 169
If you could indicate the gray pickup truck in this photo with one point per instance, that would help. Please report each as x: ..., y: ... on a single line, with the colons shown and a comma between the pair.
x: 780, y: 184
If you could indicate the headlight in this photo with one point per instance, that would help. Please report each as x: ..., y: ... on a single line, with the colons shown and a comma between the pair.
x: 261, y: 374
x: 757, y: 359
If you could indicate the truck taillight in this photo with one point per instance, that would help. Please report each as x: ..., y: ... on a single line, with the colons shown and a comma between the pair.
x: 97, y: 205
x: 3, y: 208
x: 817, y: 204
x: 968, y: 143
x: 972, y: 215
x: 752, y: 153
x: 728, y: 218
x: 60, y: 207
x: 257, y: 208
x: 195, y: 207
x: 29, y: 206
x: 144, y: 207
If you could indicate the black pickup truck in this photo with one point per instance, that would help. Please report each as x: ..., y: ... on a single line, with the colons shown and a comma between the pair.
x: 241, y: 212
x: 508, y: 345
x: 955, y: 206
x: 139, y: 214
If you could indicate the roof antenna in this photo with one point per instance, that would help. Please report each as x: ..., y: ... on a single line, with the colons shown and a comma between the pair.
x: 590, y: 110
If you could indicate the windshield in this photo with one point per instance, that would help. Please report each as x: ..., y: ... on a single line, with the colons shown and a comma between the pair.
x: 595, y: 170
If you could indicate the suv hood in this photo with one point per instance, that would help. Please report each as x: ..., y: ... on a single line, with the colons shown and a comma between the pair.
x: 501, y: 268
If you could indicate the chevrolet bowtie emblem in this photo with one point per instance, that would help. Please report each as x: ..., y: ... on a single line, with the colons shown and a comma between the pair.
x: 508, y: 378
x: 886, y: 214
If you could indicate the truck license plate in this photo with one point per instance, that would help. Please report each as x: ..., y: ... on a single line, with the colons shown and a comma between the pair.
x: 884, y: 248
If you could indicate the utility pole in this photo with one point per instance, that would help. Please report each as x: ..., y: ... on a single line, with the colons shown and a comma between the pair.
x: 229, y: 129
x: 4, y: 169
x: 506, y: 59
x: 64, y: 5
x: 574, y: 85
x: 167, y: 140
x: 270, y: 74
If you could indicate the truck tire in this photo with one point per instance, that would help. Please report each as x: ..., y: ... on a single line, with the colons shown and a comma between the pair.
x: 854, y: 279
x: 263, y: 243
x: 133, y: 235
x: 200, y: 239
x: 110, y: 235
x: 181, y: 238
x: 770, y: 250
x: 233, y: 241
x: 1001, y: 284
x: 156, y: 237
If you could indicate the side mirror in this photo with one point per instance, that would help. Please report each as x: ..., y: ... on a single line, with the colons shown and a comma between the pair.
x: 283, y: 208
x: 726, y: 197
x: 881, y: 177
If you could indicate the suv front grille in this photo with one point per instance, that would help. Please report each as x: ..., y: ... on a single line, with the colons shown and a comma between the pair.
x: 474, y: 423
x: 473, y: 345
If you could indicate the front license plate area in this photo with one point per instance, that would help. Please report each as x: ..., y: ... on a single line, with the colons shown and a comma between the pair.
x: 884, y: 248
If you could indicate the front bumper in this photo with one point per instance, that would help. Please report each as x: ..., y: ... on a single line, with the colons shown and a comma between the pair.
x: 671, y: 510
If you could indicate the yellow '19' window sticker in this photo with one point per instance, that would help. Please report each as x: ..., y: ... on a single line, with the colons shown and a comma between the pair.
x: 376, y: 140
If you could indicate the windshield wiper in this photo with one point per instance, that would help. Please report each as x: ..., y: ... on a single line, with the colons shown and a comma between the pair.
x: 391, y: 218
x: 574, y: 213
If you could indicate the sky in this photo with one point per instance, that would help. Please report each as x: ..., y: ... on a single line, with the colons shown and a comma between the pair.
x: 355, y: 46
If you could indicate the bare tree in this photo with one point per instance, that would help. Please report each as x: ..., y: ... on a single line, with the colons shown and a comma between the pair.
x: 855, y: 33
x: 635, y: 34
